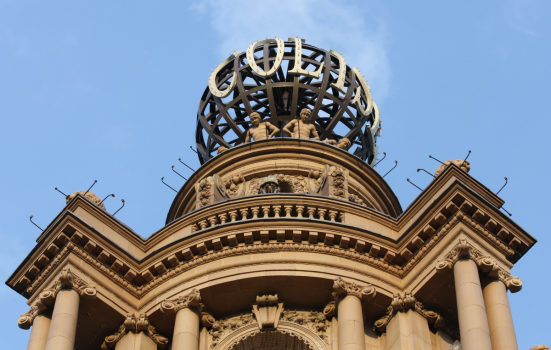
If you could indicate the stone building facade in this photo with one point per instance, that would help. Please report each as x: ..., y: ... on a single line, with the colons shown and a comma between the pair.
x: 282, y: 243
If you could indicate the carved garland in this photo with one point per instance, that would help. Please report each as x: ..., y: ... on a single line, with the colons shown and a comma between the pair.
x: 485, y: 263
x: 135, y: 325
x: 234, y: 251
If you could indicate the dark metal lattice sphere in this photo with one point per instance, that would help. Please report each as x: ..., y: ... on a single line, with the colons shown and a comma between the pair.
x: 266, y: 80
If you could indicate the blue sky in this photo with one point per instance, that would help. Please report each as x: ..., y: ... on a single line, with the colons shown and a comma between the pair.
x: 108, y: 91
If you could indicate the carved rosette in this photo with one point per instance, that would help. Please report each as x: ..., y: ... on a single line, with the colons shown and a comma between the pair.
x: 135, y: 325
x: 191, y: 301
x: 343, y: 288
x: 485, y: 263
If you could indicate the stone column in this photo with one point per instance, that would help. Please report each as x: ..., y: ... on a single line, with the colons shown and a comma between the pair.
x: 39, y: 318
x: 500, y: 319
x: 186, y: 327
x: 350, y: 314
x: 473, y: 323
x: 39, y: 332
x: 66, y: 293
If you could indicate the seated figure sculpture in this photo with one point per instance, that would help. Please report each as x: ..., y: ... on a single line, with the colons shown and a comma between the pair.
x: 302, y: 128
x: 259, y: 131
x: 343, y: 143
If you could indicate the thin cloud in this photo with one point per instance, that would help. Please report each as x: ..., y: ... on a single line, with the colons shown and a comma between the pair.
x: 358, y: 32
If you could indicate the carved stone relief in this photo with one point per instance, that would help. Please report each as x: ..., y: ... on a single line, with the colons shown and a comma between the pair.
x: 268, y: 314
x: 210, y: 190
x: 297, y: 183
x: 236, y: 186
x: 221, y: 329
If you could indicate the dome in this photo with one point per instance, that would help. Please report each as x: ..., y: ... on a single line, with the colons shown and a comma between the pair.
x: 266, y: 79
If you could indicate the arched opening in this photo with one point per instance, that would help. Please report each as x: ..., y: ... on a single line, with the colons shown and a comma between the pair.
x: 271, y: 340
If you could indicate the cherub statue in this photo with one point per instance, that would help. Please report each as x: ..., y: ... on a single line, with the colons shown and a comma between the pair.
x: 259, y: 131
x: 302, y: 127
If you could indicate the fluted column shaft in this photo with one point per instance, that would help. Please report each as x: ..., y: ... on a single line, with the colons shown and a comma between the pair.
x: 351, y: 324
x: 63, y: 327
x: 186, y: 330
x: 39, y: 332
x: 500, y: 319
x: 473, y: 322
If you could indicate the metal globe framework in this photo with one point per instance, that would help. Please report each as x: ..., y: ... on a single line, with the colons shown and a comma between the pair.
x: 267, y: 79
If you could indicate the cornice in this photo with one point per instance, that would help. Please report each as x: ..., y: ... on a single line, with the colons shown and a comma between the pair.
x: 208, y: 236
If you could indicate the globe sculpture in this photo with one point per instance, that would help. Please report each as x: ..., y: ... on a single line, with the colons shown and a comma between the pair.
x: 278, y: 79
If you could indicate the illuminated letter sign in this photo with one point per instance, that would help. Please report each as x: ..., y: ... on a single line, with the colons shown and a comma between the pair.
x: 339, y: 85
x: 277, y: 62
x: 297, y: 69
x: 357, y: 99
x: 212, y: 79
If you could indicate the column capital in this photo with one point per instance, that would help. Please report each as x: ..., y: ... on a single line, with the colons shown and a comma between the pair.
x: 66, y: 280
x: 409, y: 302
x: 343, y: 288
x: 191, y: 301
x: 26, y: 320
x: 135, y: 324
x: 486, y: 264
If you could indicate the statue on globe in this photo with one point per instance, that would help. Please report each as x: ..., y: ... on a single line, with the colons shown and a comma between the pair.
x: 301, y: 128
x: 259, y: 131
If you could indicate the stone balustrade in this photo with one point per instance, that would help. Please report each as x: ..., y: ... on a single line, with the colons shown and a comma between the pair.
x: 255, y: 209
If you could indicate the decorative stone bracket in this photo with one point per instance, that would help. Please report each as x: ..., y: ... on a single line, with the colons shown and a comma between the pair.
x: 46, y: 299
x: 487, y: 265
x: 408, y: 302
x: 267, y: 311
x: 135, y: 325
